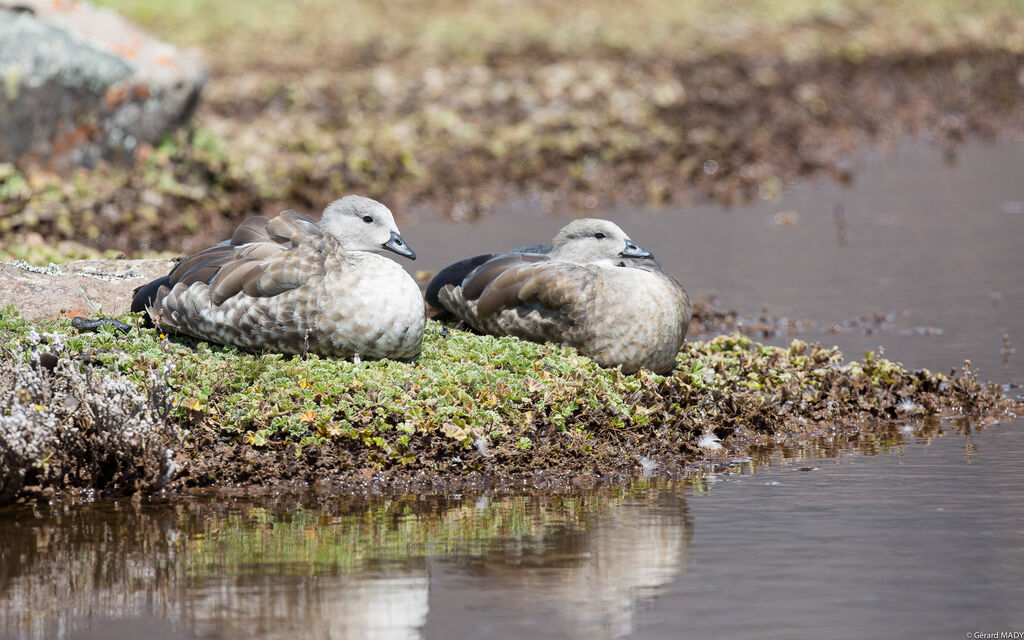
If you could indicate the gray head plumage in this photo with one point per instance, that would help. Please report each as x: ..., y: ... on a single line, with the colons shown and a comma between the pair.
x: 363, y: 224
x: 589, y: 240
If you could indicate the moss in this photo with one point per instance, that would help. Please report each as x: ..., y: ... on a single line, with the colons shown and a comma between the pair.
x: 477, y: 403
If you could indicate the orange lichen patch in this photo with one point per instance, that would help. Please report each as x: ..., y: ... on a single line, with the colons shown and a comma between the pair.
x: 115, y: 96
x: 64, y: 143
x: 76, y: 312
x: 130, y: 49
x: 144, y: 151
x: 66, y: 5
x: 140, y: 91
x: 167, y: 61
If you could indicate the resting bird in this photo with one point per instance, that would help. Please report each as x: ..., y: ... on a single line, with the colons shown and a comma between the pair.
x: 595, y: 290
x: 294, y: 285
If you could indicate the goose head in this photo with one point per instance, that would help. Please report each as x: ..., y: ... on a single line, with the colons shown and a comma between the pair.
x: 362, y: 224
x: 594, y: 240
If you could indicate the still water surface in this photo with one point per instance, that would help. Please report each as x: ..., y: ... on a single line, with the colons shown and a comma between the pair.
x: 914, y: 532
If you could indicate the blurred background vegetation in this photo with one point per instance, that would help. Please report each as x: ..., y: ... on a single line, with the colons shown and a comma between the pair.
x: 452, y: 108
x: 310, y: 34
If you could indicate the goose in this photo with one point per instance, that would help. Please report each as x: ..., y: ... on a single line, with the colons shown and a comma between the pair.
x: 294, y: 285
x: 594, y: 289
x: 456, y: 272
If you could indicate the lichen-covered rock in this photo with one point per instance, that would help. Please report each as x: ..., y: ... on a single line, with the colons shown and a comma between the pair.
x: 78, y: 83
x: 67, y: 426
x: 79, y: 288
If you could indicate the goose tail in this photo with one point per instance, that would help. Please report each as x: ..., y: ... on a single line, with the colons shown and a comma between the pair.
x: 145, y: 296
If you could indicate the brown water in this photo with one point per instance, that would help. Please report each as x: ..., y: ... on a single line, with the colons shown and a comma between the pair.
x: 915, y: 533
x: 939, y: 247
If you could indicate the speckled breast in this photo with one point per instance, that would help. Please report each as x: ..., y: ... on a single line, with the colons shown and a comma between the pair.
x: 378, y: 313
x: 639, y: 320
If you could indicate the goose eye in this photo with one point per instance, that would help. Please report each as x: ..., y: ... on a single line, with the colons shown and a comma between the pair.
x: 367, y: 219
x: 598, y: 235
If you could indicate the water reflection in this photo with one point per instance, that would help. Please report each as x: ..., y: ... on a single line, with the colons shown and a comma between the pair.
x: 583, y: 583
x: 401, y: 567
x: 610, y: 563
x: 337, y: 568
x: 377, y: 604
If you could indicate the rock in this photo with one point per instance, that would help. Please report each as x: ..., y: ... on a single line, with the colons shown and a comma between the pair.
x: 79, y: 83
x: 79, y: 288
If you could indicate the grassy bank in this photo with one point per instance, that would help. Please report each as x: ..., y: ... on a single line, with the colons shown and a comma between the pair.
x: 451, y: 108
x: 175, y: 413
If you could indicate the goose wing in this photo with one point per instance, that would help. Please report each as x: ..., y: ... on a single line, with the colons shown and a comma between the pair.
x: 262, y: 259
x: 559, y: 287
x: 453, y: 274
x: 528, y: 296
x: 485, y: 273
x: 287, y: 227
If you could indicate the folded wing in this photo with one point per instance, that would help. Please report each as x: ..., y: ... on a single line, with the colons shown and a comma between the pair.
x: 527, y: 296
x: 256, y: 261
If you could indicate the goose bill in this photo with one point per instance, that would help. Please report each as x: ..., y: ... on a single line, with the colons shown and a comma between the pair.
x: 633, y: 250
x: 396, y: 244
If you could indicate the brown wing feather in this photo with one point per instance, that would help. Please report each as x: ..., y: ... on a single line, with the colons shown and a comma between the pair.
x: 551, y: 285
x: 204, y: 272
x: 232, y: 278
x: 253, y: 229
x: 259, y: 251
x: 287, y: 227
x: 291, y: 227
x: 244, y: 266
x: 197, y: 267
x: 503, y: 291
x: 290, y: 270
x: 479, y: 279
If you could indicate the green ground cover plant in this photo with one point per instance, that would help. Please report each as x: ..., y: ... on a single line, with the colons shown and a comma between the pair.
x: 196, y: 414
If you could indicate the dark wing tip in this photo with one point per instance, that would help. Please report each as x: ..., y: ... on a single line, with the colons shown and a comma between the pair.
x: 480, y: 278
x: 453, y: 274
x: 146, y: 295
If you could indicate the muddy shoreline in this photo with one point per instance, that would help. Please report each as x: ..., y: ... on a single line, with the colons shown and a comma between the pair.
x: 237, y: 473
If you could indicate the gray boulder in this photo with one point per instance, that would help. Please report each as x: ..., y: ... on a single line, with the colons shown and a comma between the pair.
x: 79, y: 83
